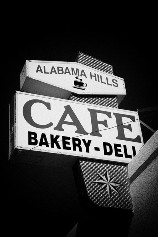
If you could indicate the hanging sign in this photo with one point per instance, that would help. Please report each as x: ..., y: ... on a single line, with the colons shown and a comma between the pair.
x: 73, y: 77
x: 61, y: 126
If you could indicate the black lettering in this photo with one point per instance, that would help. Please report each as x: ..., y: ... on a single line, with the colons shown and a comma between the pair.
x: 43, y: 140
x: 32, y: 138
x: 87, y: 144
x: 66, y: 143
x: 134, y: 150
x: 102, y: 80
x: 98, y: 77
x: 107, y: 80
x: 39, y: 69
x: 107, y: 148
x: 93, y: 75
x: 67, y: 71
x: 117, y: 148
x: 60, y: 70
x: 115, y: 83
x: 125, y: 152
x: 54, y: 141
x: 75, y: 122
x: 76, y: 73
x: 45, y: 70
x: 76, y: 143
x: 53, y: 70
x: 121, y: 126
x: 27, y: 113
x: 95, y: 122
x: 83, y: 73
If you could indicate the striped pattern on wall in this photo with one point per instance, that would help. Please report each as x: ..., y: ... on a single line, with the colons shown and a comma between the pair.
x: 94, y: 63
x: 103, y: 100
x: 88, y: 170
x: 110, y: 101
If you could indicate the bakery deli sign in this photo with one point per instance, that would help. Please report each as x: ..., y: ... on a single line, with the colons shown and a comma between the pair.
x: 61, y: 126
x: 72, y: 76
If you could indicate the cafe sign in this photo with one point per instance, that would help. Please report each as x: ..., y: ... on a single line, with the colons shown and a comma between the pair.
x: 53, y: 125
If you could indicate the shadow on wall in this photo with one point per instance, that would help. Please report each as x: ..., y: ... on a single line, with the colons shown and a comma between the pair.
x: 143, y: 174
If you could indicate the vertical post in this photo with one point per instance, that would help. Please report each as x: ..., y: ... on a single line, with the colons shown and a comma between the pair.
x: 103, y: 187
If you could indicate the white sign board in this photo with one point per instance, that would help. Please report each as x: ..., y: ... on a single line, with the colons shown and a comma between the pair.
x: 73, y: 77
x: 61, y: 126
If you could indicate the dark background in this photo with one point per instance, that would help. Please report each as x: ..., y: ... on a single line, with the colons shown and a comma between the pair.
x: 129, y: 46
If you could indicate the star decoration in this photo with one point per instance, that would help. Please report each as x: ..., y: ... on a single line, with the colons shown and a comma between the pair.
x: 107, y: 182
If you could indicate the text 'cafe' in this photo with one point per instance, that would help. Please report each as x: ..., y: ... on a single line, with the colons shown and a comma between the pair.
x: 57, y: 125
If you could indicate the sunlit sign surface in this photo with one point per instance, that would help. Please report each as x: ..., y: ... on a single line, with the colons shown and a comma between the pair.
x: 73, y: 77
x: 72, y: 128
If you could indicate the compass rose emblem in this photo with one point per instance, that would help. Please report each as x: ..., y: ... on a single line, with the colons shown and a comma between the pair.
x: 108, y: 183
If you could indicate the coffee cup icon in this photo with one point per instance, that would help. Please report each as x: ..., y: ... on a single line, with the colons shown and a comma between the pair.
x: 78, y: 84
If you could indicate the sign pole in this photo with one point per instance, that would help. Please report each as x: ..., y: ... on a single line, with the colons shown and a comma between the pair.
x: 103, y: 187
